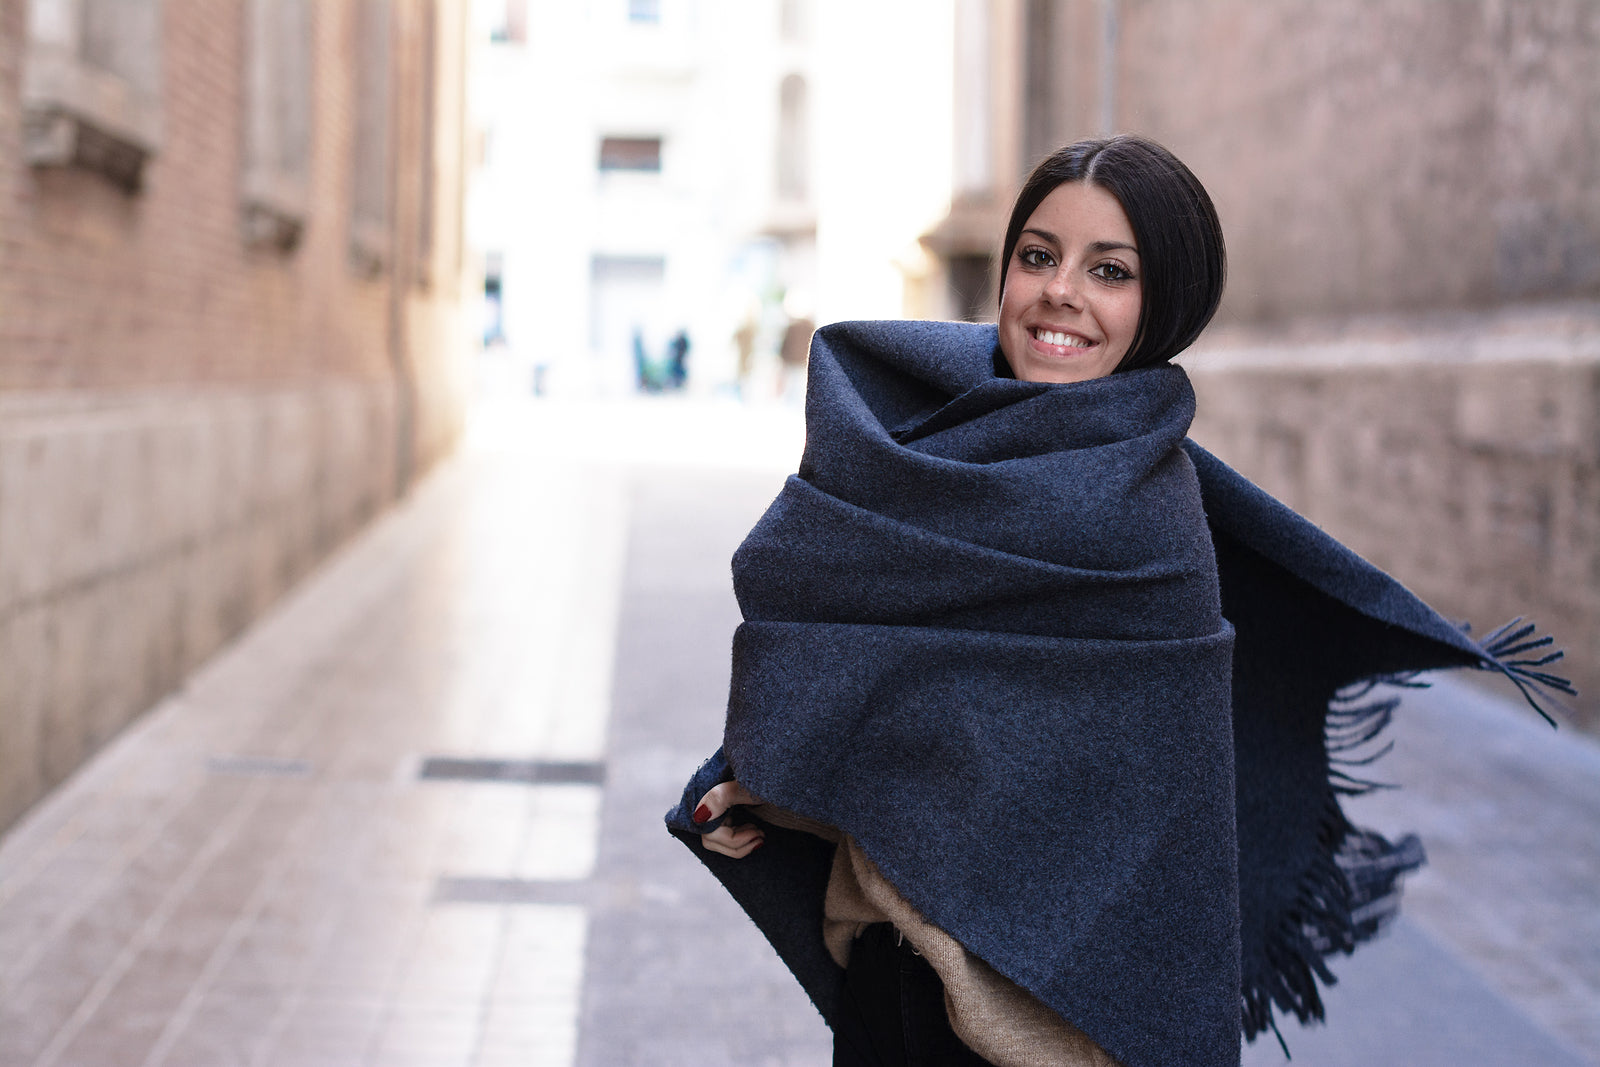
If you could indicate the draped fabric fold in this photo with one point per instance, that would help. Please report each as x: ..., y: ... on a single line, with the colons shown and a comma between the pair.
x: 1066, y: 679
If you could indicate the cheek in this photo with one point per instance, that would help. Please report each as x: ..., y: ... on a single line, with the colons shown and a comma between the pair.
x: 1128, y: 313
x: 1010, y: 306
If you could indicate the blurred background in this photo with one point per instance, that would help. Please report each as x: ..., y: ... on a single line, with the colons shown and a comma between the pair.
x: 264, y: 264
x: 257, y: 257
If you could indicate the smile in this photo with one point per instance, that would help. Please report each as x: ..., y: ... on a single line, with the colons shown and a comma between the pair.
x: 1066, y: 340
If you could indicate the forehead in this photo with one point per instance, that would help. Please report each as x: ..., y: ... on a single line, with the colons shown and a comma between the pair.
x: 1078, y: 213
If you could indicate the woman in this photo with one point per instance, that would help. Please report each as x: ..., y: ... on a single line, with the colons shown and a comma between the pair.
x: 1039, y: 698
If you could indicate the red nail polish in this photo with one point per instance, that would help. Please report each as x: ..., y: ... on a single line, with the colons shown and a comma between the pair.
x: 758, y: 844
x: 702, y: 814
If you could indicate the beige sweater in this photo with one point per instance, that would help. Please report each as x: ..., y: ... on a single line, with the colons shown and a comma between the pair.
x: 995, y: 1017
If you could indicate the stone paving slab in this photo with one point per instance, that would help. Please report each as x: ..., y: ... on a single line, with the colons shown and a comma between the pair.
x: 257, y: 873
x: 1509, y: 811
x: 677, y: 976
x: 1406, y: 999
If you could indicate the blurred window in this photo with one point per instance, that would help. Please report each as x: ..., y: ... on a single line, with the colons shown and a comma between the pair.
x: 91, y: 93
x: 974, y: 100
x: 644, y: 11
x: 427, y: 165
x: 275, y: 183
x: 369, y: 184
x: 630, y: 153
x: 508, y: 22
x: 792, y: 19
x: 793, y: 147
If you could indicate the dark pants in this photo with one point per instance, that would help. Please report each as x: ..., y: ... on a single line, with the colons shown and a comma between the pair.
x: 892, y: 1012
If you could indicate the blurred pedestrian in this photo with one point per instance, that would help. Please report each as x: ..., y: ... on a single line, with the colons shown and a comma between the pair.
x: 647, y: 376
x: 1028, y: 755
x: 678, y: 360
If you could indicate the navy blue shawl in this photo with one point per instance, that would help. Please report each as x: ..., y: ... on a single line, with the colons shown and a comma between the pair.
x: 1077, y: 688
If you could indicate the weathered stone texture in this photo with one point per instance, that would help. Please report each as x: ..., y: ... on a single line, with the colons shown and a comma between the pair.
x: 1379, y: 155
x: 139, y: 535
x: 191, y: 418
x: 1463, y: 460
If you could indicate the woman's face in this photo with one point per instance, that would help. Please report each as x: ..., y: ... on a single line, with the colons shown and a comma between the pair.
x: 1070, y: 306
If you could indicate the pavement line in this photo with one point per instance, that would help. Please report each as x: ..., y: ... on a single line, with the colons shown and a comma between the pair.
x: 524, y: 771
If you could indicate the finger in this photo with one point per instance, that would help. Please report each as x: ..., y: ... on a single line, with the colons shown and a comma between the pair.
x: 738, y: 844
x: 733, y: 839
x: 734, y: 836
x: 720, y: 798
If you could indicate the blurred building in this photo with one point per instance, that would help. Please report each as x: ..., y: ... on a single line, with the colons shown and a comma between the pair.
x: 619, y: 214
x: 1409, y: 348
x: 700, y: 164
x: 231, y: 327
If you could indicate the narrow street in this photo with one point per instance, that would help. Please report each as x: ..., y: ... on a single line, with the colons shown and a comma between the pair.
x: 413, y: 817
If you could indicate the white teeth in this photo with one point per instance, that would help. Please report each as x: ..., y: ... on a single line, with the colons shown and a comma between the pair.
x: 1050, y: 337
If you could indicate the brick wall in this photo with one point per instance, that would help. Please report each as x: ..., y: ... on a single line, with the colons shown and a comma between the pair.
x: 188, y: 422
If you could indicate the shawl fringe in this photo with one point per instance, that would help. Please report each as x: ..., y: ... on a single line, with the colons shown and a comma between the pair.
x: 1516, y: 638
x: 1352, y: 889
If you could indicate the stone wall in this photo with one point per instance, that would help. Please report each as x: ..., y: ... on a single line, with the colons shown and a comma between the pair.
x: 141, y: 531
x: 1461, y: 454
x: 204, y: 389
x: 1379, y: 155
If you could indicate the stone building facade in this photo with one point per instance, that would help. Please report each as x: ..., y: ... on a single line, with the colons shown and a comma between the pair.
x: 231, y: 278
x: 1409, y: 348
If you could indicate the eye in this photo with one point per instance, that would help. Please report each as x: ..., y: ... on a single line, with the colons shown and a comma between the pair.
x: 1036, y: 257
x: 1112, y: 272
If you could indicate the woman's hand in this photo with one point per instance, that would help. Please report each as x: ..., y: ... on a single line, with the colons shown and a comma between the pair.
x: 735, y: 841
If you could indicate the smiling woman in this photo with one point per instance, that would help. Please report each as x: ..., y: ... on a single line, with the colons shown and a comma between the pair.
x: 1069, y: 308
x: 1161, y: 238
x: 1029, y: 753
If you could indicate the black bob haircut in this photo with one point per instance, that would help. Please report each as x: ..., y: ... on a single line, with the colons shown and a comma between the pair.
x: 1183, y: 263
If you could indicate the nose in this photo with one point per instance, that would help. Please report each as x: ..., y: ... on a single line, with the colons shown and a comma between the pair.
x: 1062, y: 288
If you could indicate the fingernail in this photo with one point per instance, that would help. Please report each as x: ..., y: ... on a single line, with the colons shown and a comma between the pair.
x: 702, y: 814
x: 758, y: 844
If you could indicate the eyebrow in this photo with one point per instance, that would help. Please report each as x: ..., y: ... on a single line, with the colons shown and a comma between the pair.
x: 1095, y: 247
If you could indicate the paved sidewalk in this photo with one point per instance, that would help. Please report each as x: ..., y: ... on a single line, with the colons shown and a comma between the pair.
x: 290, y: 862
x: 1495, y: 960
x: 305, y: 857
x: 678, y: 977
x: 258, y: 872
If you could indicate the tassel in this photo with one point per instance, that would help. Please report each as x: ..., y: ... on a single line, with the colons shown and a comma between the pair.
x: 1279, y: 1035
x: 1352, y: 725
x: 1351, y: 889
x: 1516, y: 638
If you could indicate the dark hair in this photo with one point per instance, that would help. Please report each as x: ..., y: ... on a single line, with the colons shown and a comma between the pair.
x: 1183, y: 263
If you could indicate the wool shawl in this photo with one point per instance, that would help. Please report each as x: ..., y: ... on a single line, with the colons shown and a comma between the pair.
x: 1079, y: 690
